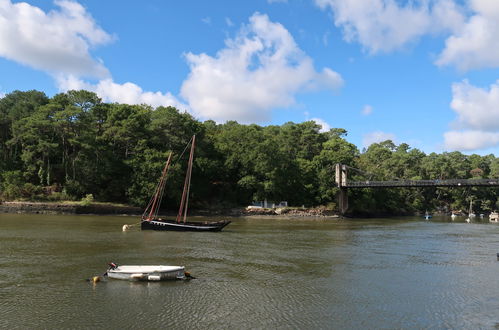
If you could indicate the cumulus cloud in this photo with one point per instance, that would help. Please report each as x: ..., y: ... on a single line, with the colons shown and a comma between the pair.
x: 470, y: 140
x: 475, y: 45
x: 385, y: 25
x: 325, y: 126
x: 54, y: 42
x: 262, y: 68
x: 367, y: 110
x: 128, y: 93
x: 58, y: 42
x: 477, y: 108
x: 477, y: 123
x: 376, y: 137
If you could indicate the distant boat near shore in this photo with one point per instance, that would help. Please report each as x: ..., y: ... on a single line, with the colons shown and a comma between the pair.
x: 470, y: 212
x: 494, y: 217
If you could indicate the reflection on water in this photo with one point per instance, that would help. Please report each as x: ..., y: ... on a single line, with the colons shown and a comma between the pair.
x: 257, y: 273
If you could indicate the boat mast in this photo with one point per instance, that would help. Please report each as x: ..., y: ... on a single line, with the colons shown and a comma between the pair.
x: 187, y: 185
x: 158, y: 195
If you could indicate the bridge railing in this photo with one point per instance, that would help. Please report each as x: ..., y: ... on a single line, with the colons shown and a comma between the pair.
x: 422, y: 183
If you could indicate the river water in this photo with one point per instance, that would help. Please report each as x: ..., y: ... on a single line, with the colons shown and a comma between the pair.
x: 256, y: 274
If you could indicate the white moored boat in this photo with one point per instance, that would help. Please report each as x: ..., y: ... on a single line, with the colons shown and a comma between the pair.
x: 147, y: 273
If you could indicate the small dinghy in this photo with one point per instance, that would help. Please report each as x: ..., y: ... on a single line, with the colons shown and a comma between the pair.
x: 147, y: 273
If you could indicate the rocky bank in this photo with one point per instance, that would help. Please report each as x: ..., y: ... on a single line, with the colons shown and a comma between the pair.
x: 102, y: 209
x: 66, y: 208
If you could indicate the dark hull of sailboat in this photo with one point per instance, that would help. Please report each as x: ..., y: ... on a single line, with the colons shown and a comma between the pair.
x: 172, y: 225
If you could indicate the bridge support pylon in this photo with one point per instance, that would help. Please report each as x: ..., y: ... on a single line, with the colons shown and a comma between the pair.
x: 343, y: 200
x: 341, y: 182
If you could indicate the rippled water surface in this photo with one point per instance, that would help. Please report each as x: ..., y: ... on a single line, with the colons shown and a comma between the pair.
x: 257, y: 273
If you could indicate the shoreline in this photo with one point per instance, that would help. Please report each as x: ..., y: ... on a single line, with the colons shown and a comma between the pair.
x: 67, y: 208
x: 77, y: 208
x: 97, y: 208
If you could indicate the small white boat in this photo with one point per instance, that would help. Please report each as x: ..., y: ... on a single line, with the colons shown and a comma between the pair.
x: 147, y: 273
x: 494, y: 217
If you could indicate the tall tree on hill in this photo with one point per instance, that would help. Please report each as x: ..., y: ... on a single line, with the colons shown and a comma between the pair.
x: 13, y: 107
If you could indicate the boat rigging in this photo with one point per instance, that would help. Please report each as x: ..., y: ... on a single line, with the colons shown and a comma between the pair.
x: 150, y: 218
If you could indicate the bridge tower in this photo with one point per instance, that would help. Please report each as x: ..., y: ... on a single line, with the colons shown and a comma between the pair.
x: 341, y: 182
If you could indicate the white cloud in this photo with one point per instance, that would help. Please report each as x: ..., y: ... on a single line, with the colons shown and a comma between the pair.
x: 385, y: 26
x: 376, y: 137
x: 261, y: 69
x: 58, y: 43
x: 477, y: 108
x: 470, y: 140
x: 128, y: 93
x: 367, y: 110
x: 475, y: 45
x: 477, y: 123
x: 325, y: 126
x: 54, y: 42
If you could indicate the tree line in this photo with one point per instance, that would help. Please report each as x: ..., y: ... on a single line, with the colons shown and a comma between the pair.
x: 71, y: 145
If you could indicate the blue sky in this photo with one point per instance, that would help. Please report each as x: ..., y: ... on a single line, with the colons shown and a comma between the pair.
x: 418, y: 72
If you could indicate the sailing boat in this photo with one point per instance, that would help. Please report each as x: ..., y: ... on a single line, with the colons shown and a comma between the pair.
x: 470, y: 212
x: 150, y: 219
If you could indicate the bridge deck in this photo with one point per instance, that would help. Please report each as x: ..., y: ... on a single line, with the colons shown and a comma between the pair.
x: 422, y: 183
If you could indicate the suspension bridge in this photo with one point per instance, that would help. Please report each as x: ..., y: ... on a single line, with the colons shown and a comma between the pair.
x: 344, y: 184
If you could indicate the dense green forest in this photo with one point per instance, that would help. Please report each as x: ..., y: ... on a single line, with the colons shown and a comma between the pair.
x: 72, y: 145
